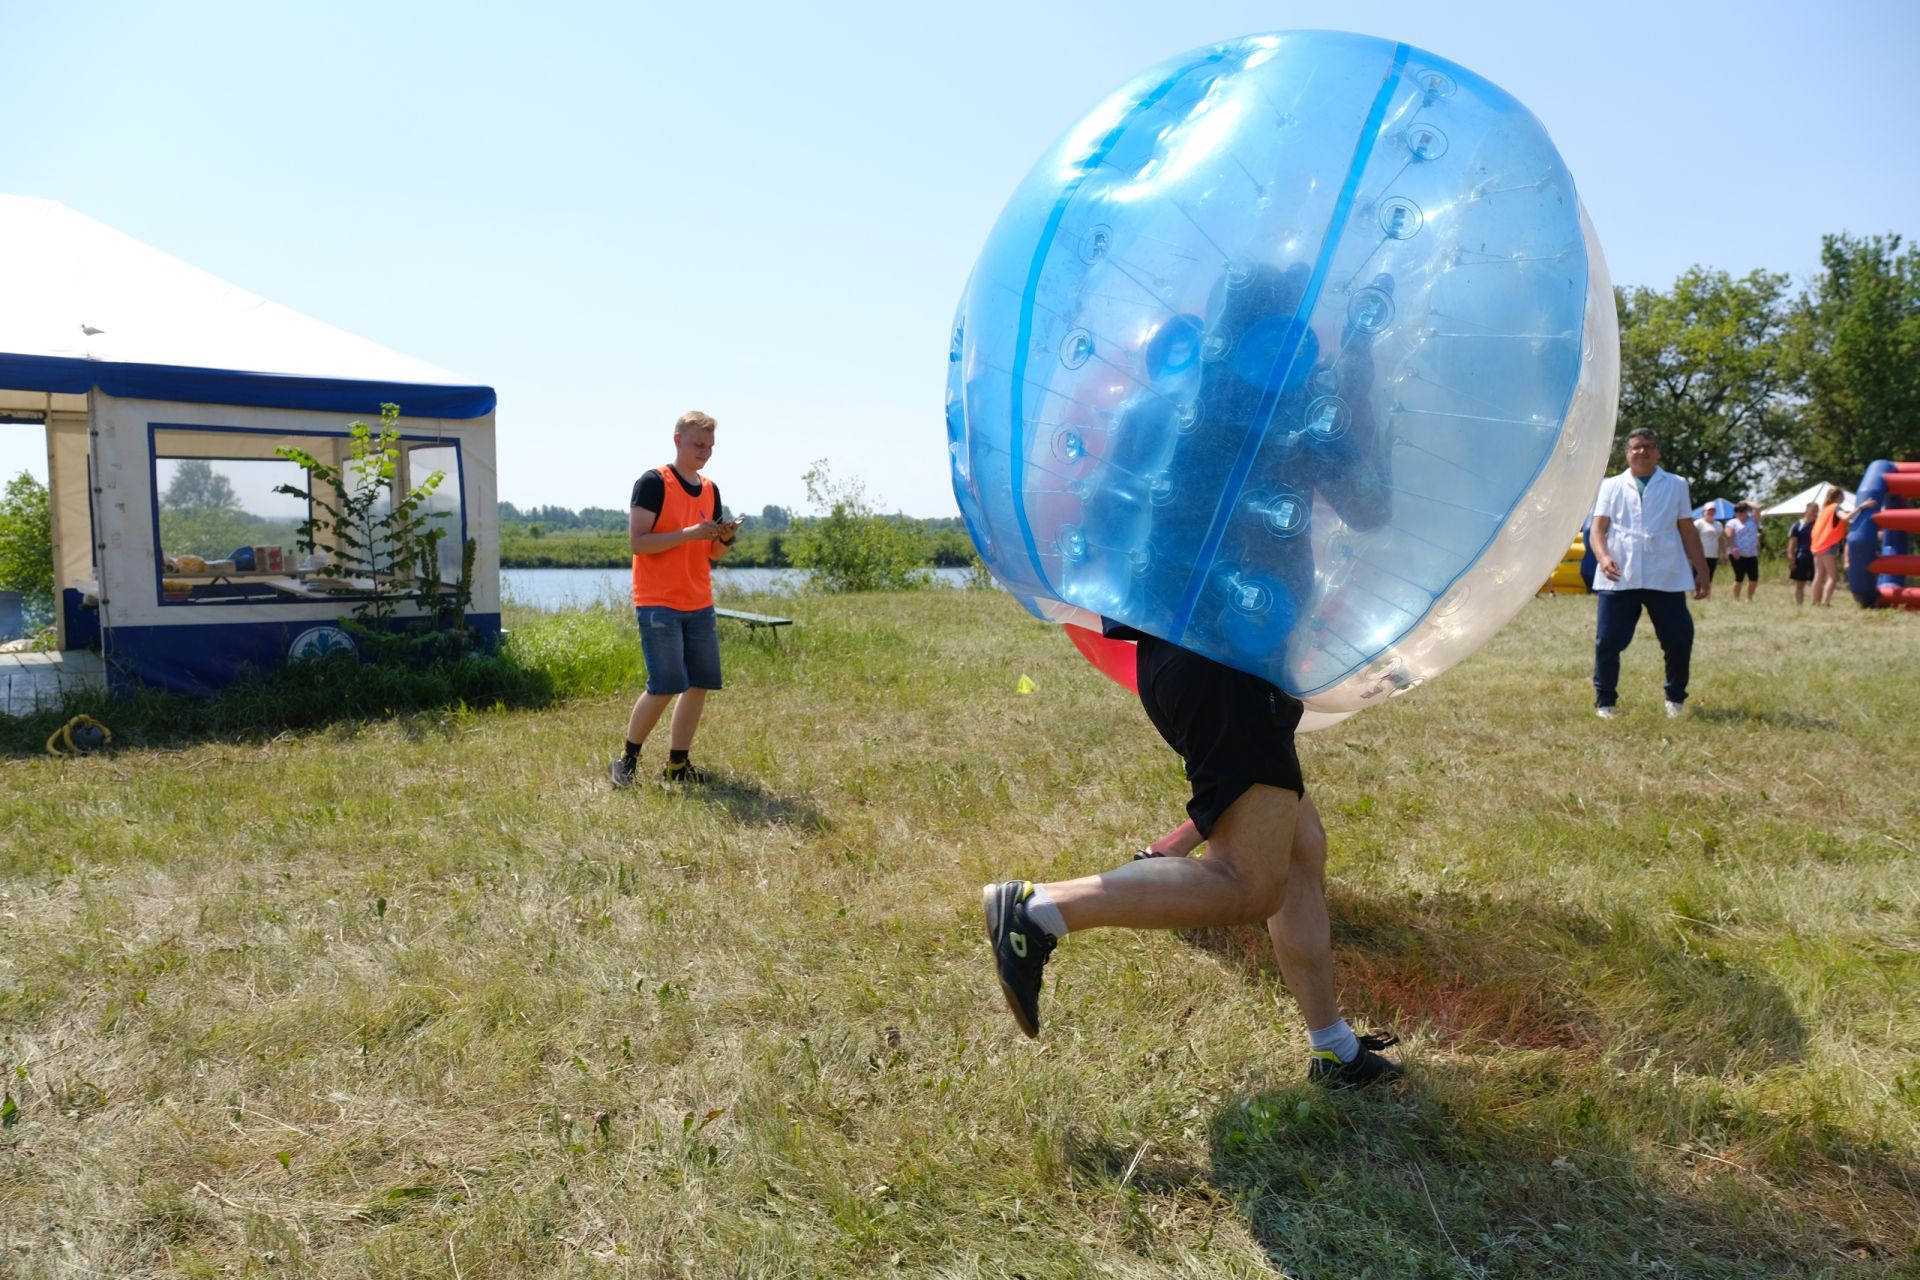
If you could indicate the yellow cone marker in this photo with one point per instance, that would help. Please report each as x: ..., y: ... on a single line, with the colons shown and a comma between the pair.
x: 1025, y: 686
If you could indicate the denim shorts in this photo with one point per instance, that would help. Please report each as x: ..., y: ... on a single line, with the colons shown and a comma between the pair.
x: 682, y: 649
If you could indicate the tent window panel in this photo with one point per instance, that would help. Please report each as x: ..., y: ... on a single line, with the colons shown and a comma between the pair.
x: 215, y: 493
x: 445, y: 505
x: 210, y: 507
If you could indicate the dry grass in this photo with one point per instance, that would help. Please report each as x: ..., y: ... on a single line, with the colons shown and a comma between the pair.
x: 426, y: 997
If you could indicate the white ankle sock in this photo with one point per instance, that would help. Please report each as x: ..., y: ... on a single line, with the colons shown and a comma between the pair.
x: 1339, y: 1038
x: 1045, y: 912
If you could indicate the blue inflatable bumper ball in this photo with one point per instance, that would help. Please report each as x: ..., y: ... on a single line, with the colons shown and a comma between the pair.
x: 1297, y: 351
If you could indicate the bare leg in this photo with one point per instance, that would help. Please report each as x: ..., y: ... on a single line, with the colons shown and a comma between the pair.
x: 1248, y: 859
x: 686, y: 718
x: 1179, y: 842
x: 646, y: 714
x: 1301, y: 935
x: 1240, y: 881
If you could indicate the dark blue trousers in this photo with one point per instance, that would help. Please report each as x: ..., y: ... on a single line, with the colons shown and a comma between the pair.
x: 1619, y: 615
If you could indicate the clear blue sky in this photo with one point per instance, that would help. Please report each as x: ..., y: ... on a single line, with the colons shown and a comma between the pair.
x: 611, y: 213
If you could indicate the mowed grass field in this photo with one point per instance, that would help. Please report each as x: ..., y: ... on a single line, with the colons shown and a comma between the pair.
x: 426, y: 997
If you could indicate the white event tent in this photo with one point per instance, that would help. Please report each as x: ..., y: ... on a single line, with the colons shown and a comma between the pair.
x: 1798, y: 502
x: 142, y: 370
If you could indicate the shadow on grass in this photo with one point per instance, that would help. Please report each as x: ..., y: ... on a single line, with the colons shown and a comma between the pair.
x: 1572, y: 1178
x: 749, y: 803
x: 1525, y: 975
x: 303, y: 696
x: 1795, y: 720
x: 1403, y: 1183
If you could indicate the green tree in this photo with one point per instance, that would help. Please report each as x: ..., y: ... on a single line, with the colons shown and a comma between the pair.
x: 201, y: 514
x: 26, y: 547
x: 196, y: 486
x: 850, y: 546
x: 776, y: 518
x: 205, y: 531
x: 1857, y: 337
x: 1707, y: 366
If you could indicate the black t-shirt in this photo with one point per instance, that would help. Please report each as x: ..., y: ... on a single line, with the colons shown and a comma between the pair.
x: 1803, y: 530
x: 650, y: 491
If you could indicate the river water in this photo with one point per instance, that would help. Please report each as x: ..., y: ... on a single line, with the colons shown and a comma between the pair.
x: 551, y: 590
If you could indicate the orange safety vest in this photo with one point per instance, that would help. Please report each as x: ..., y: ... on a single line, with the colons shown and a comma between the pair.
x: 680, y: 577
x: 1829, y: 530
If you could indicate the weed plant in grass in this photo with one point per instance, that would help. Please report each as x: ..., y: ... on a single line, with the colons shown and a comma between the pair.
x: 423, y: 995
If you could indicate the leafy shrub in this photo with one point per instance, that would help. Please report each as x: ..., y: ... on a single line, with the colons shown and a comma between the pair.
x: 851, y: 547
x: 369, y: 530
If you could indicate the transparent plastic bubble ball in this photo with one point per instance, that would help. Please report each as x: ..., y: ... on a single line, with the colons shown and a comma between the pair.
x: 1299, y: 352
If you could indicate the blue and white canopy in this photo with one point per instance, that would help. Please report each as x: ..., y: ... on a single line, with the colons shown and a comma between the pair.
x: 83, y: 307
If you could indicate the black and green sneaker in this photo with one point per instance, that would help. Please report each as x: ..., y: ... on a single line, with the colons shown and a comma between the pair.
x: 1020, y: 949
x: 1367, y: 1066
x: 682, y: 772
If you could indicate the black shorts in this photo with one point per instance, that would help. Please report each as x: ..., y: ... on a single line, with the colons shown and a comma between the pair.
x: 1802, y: 570
x: 1713, y: 567
x: 1746, y: 569
x: 1233, y: 729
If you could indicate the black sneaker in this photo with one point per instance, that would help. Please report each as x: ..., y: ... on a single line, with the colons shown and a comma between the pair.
x: 621, y: 770
x: 1367, y: 1067
x: 1020, y: 949
x: 682, y: 772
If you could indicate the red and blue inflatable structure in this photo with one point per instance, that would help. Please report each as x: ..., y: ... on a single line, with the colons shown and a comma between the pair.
x: 1880, y: 557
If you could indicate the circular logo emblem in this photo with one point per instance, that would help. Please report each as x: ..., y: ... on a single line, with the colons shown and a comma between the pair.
x: 319, y: 642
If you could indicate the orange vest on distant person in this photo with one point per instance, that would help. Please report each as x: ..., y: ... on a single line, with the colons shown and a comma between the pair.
x: 680, y: 577
x: 1829, y: 530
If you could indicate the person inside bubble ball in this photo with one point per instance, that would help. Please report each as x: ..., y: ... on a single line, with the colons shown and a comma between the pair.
x: 1266, y: 846
x: 1253, y: 366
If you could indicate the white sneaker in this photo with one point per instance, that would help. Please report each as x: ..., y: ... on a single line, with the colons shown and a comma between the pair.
x: 1606, y: 713
x: 1675, y: 710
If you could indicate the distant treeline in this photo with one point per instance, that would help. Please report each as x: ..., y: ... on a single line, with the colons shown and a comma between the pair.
x: 551, y: 537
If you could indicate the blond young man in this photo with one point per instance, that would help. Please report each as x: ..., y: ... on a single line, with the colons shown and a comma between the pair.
x: 675, y: 533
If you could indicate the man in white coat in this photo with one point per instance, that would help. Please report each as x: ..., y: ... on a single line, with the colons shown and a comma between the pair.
x: 1649, y: 557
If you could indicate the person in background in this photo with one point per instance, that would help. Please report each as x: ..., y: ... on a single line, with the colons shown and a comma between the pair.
x: 1743, y: 548
x: 1829, y: 533
x: 1589, y: 563
x: 675, y: 533
x: 1710, y: 531
x: 1649, y: 554
x: 1800, y: 552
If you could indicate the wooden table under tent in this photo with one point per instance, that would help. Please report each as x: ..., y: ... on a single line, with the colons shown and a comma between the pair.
x: 166, y: 397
